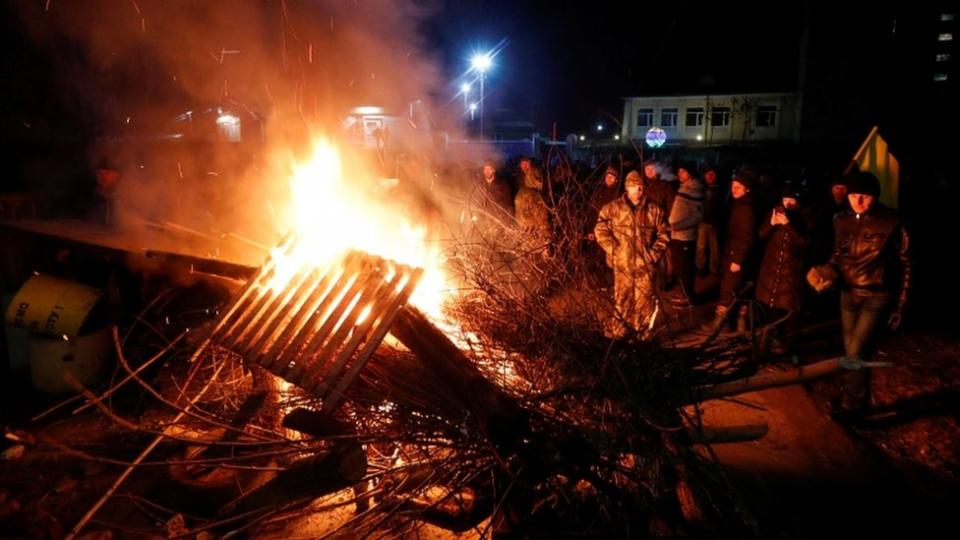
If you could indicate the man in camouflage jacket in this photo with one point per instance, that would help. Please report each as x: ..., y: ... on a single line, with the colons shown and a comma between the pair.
x: 633, y: 232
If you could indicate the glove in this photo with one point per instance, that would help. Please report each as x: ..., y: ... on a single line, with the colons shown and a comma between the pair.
x: 820, y: 280
x: 894, y: 321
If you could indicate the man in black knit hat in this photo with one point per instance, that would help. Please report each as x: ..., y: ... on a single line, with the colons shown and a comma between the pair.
x: 871, y: 263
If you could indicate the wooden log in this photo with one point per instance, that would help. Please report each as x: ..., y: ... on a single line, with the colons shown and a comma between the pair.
x: 726, y: 434
x: 491, y: 410
x: 342, y: 467
x: 797, y: 375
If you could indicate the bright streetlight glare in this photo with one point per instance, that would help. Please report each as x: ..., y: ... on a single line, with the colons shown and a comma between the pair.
x: 465, y: 87
x: 481, y: 62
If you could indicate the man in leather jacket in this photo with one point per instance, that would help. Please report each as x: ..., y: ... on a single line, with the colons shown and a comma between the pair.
x: 871, y: 261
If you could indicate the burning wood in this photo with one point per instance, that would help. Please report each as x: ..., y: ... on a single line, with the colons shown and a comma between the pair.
x: 433, y: 435
x: 318, y: 321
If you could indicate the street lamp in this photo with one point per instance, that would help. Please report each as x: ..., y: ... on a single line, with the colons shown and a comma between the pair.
x: 473, y: 110
x: 465, y: 88
x: 481, y: 63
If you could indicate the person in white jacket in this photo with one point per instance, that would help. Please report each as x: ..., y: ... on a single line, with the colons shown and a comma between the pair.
x: 685, y: 216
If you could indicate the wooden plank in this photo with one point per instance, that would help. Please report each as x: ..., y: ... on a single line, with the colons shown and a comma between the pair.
x: 319, y: 362
x: 251, y: 295
x: 293, y: 332
x: 274, y: 299
x: 387, y: 316
x: 491, y: 410
x: 374, y: 297
x: 285, y: 312
x: 332, y: 321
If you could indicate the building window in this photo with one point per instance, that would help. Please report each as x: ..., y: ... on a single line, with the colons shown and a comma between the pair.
x: 766, y: 116
x: 644, y: 117
x: 946, y: 36
x: 694, y: 116
x: 668, y: 117
x: 940, y: 77
x: 943, y: 57
x: 720, y: 116
x: 946, y: 17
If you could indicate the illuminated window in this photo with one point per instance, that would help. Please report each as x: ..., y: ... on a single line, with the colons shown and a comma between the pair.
x: 766, y: 116
x: 668, y: 117
x: 644, y: 117
x: 946, y: 17
x: 720, y: 116
x: 694, y: 116
x: 946, y: 36
x: 940, y: 77
x: 943, y: 57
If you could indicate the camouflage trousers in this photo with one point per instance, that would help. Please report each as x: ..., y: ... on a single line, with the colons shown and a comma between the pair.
x: 635, y: 305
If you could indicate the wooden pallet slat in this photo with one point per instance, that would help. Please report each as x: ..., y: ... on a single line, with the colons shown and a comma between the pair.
x: 320, y: 328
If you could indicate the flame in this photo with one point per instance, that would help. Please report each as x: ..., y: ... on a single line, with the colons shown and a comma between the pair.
x: 331, y: 213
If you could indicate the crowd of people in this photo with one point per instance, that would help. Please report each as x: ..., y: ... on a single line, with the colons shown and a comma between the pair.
x: 653, y: 230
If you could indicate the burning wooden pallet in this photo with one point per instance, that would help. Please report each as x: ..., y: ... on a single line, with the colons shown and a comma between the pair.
x: 320, y: 327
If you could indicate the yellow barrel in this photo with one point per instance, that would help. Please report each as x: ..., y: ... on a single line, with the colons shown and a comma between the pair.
x: 82, y: 357
x: 52, y: 306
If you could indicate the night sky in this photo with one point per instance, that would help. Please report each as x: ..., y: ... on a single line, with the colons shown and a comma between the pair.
x: 571, y: 62
x: 563, y: 64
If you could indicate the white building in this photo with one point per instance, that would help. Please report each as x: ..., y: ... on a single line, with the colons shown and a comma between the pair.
x: 713, y: 119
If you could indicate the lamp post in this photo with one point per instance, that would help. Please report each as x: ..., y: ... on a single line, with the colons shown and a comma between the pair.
x: 481, y: 63
x: 465, y: 88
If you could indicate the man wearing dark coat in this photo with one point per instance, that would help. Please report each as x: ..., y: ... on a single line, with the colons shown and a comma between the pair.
x: 738, y: 247
x: 787, y: 232
x: 871, y: 262
x: 494, y: 193
x: 608, y: 191
x: 660, y: 192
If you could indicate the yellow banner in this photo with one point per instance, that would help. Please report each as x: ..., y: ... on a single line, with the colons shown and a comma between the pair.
x: 874, y: 156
